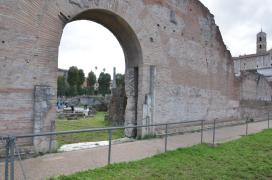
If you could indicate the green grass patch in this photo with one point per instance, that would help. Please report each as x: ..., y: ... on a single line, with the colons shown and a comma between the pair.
x: 85, y: 123
x: 247, y: 158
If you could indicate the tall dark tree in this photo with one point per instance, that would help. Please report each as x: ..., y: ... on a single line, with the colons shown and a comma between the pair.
x: 104, y: 83
x: 76, y: 78
x: 120, y: 80
x: 91, y: 79
x: 62, y: 86
x: 73, y: 76
x: 81, y: 78
x: 72, y: 91
x: 80, y: 82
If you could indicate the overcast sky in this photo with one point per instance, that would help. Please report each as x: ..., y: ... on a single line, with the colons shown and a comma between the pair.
x: 86, y: 44
x: 239, y: 22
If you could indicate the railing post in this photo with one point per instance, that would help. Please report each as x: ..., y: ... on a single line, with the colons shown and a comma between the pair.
x: 109, y: 152
x: 51, y: 136
x: 12, y: 151
x: 165, y: 138
x: 246, y: 126
x: 7, y: 159
x: 214, y: 131
x: 202, y: 128
x: 268, y: 121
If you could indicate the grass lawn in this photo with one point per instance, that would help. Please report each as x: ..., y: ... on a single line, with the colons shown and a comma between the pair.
x: 84, y: 123
x: 247, y: 158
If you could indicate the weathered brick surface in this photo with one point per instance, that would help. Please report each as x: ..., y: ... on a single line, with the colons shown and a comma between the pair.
x: 255, y: 87
x: 194, y: 71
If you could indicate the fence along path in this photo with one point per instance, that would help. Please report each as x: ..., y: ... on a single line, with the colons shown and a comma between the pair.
x: 75, y: 161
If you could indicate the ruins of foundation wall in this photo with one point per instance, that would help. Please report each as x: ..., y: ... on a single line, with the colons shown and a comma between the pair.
x: 177, y: 66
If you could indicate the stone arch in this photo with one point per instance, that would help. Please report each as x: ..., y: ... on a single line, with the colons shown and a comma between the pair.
x: 132, y: 51
x: 184, y: 72
x: 120, y: 28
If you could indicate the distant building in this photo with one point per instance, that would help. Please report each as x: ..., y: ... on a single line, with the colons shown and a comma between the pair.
x: 261, y: 43
x: 85, y: 84
x: 261, y: 62
x: 111, y: 84
x: 63, y: 72
x: 96, y: 86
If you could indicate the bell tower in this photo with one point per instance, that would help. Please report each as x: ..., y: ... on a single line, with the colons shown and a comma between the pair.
x: 261, y: 42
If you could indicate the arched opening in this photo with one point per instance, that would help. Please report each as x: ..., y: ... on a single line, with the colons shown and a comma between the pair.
x: 91, y: 47
x: 132, y: 57
x: 122, y: 31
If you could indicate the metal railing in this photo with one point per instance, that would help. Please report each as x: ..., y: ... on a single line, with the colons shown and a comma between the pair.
x: 11, y: 150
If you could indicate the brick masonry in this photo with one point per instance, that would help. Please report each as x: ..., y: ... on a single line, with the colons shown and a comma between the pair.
x: 194, y: 72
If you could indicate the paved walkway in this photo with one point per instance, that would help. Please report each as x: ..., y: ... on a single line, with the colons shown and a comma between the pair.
x: 70, y: 162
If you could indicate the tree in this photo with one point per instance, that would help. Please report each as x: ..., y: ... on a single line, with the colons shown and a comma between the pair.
x: 76, y: 78
x: 120, y: 80
x: 91, y: 80
x: 72, y: 91
x: 62, y: 86
x: 80, y: 82
x: 104, y: 83
x: 81, y: 78
x: 73, y: 76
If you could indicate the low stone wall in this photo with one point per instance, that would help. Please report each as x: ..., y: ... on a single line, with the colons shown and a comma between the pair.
x: 100, y: 103
x: 255, y: 109
x: 196, y: 126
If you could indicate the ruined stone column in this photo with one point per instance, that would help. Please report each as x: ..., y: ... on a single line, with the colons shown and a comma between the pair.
x: 114, y: 79
x: 42, y: 105
x: 149, y: 104
x: 131, y: 92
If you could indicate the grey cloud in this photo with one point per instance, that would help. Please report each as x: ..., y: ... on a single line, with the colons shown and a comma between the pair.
x: 240, y: 20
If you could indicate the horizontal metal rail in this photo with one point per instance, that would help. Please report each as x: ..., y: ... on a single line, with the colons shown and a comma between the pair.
x: 19, y: 136
x: 94, y: 130
x: 10, y: 140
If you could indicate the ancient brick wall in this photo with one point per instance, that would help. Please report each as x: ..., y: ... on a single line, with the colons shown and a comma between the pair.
x: 256, y: 94
x: 255, y: 109
x: 194, y: 77
x: 184, y: 71
x: 255, y: 87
